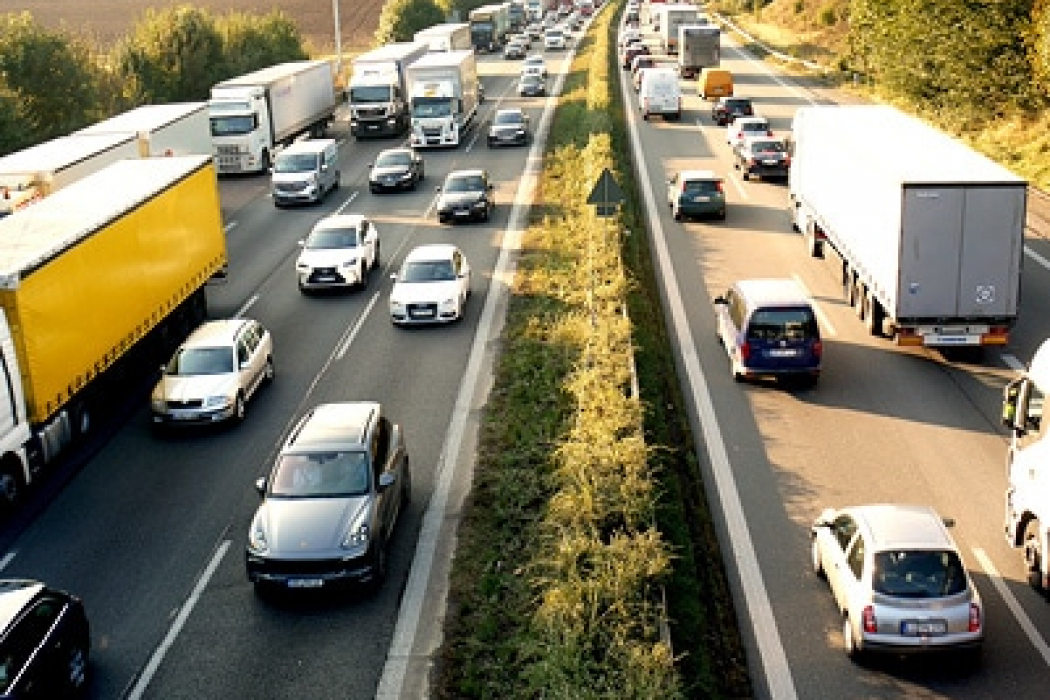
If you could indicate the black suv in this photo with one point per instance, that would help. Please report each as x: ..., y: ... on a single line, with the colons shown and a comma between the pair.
x: 466, y: 196
x: 44, y: 641
x: 726, y: 109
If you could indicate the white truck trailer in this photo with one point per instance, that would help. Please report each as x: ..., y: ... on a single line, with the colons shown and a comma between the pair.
x: 31, y: 174
x: 928, y: 231
x: 447, y: 36
x: 178, y: 129
x: 445, y: 93
x: 254, y: 114
x: 699, y: 47
x: 378, y: 89
x: 673, y: 16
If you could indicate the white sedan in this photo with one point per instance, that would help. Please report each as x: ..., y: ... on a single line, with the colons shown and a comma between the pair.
x: 432, y: 286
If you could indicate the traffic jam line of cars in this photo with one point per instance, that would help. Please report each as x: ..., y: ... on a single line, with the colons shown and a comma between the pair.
x: 894, y: 571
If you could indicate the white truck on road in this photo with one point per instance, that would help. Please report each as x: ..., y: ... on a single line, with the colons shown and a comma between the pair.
x: 378, y: 89
x: 699, y: 47
x: 1027, y: 521
x: 673, y: 16
x: 445, y: 94
x: 447, y: 36
x: 178, y: 129
x: 254, y: 114
x: 929, y: 232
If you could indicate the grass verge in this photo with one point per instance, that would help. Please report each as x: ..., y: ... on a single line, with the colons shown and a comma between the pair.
x: 587, y: 564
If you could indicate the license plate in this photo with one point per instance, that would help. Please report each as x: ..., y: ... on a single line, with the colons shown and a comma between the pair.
x: 771, y: 162
x: 373, y: 127
x: 923, y: 628
x: 462, y: 213
x: 507, y: 137
x: 782, y: 352
x: 187, y: 415
x: 305, y: 582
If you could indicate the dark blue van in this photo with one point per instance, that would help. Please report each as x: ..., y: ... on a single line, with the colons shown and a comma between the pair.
x: 769, y: 329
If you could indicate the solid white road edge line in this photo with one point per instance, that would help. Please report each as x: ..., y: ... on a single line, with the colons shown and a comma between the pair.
x: 777, y: 671
x: 406, y: 631
x: 142, y: 682
x: 1011, y: 602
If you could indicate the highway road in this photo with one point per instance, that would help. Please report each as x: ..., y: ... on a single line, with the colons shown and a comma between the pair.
x: 151, y: 530
x: 884, y: 424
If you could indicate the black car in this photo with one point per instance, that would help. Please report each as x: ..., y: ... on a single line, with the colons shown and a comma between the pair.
x: 466, y: 196
x: 726, y: 109
x: 395, y: 169
x: 762, y: 157
x: 44, y: 641
x: 509, y: 127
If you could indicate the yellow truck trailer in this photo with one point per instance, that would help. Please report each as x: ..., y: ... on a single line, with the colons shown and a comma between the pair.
x: 86, y: 275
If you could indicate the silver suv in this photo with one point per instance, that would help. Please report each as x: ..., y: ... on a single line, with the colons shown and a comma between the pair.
x: 330, y: 501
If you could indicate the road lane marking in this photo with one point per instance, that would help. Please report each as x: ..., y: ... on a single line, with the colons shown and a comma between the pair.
x: 767, y: 638
x: 142, y: 682
x: 1011, y: 602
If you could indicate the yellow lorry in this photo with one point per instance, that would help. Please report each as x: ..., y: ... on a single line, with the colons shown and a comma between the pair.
x: 90, y: 273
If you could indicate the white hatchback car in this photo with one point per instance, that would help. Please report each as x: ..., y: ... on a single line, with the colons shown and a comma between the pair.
x: 213, y: 374
x: 744, y: 127
x: 554, y: 38
x: 432, y: 286
x: 534, y: 64
x: 339, y: 252
x: 898, y: 580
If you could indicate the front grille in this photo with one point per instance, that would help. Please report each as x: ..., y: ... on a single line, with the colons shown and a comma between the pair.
x: 422, y: 311
x: 177, y: 405
x: 328, y: 275
x: 306, y: 567
x: 432, y: 131
x: 228, y: 150
x: 289, y: 186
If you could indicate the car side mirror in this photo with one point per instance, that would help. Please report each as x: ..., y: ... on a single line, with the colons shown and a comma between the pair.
x: 260, y: 485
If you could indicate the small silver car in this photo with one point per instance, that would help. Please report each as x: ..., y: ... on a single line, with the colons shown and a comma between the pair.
x: 213, y: 374
x: 330, y: 502
x: 898, y: 580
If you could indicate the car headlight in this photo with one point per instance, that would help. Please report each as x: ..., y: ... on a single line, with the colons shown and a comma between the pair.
x: 302, y: 267
x: 257, y: 541
x: 357, y: 538
x: 158, y: 404
x: 397, y: 306
x: 349, y: 263
x: 480, y: 204
x: 449, y: 303
x: 405, y: 176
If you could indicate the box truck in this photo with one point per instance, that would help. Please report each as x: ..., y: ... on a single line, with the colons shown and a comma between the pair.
x: 672, y: 16
x: 444, y: 92
x: 178, y: 129
x: 31, y: 174
x: 102, y: 276
x: 699, y: 47
x: 447, y: 36
x: 488, y: 26
x: 252, y: 115
x: 928, y: 231
x: 378, y: 90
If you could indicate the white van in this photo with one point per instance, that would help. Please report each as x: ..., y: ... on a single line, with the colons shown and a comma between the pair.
x: 305, y: 172
x: 660, y: 93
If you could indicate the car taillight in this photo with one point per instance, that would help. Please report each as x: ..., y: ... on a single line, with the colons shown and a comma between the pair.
x: 739, y: 135
x: 868, y: 618
x: 745, y: 349
x: 787, y: 160
x: 818, y: 348
x: 975, y: 618
x: 769, y: 133
x: 721, y: 186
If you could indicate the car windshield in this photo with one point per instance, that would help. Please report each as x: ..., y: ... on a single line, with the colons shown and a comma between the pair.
x: 295, y: 163
x: 321, y: 474
x: 427, y: 271
x: 782, y: 324
x: 508, y: 118
x: 467, y: 183
x: 197, y: 361
x: 918, y: 574
x: 393, y: 158
x: 737, y: 105
x: 767, y: 147
x: 328, y: 238
x: 754, y: 126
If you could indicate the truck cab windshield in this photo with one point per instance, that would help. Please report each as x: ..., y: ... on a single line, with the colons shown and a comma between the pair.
x: 369, y: 93
x: 233, y: 125
x: 431, y: 107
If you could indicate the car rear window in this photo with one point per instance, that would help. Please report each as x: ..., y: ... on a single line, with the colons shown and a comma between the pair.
x: 783, y: 324
x: 701, y: 187
x: 918, y: 574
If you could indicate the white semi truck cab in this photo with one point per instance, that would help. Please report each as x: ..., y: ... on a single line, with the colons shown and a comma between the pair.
x: 240, y: 118
x: 1027, y: 517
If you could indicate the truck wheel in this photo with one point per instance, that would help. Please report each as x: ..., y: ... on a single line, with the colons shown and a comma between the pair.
x: 875, y: 315
x: 1033, y: 556
x: 860, y: 296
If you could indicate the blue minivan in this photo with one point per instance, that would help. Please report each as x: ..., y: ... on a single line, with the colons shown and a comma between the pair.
x: 769, y: 329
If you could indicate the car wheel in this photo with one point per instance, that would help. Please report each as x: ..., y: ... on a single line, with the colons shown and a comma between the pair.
x: 375, y: 260
x: 77, y: 666
x: 722, y: 215
x: 1033, y: 556
x: 814, y: 554
x: 406, y: 486
x: 238, y: 408
x: 379, y: 565
x: 362, y: 275
x: 373, y: 189
x: 269, y: 372
x: 676, y: 213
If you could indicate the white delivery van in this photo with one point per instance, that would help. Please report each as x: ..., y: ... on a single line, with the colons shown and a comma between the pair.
x: 660, y: 93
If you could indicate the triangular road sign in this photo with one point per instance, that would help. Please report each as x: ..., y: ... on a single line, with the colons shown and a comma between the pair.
x: 606, y: 190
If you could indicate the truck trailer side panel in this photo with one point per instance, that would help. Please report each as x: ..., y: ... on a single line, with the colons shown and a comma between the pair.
x: 155, y: 230
x: 176, y: 129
